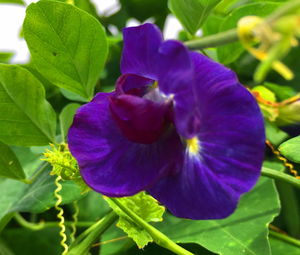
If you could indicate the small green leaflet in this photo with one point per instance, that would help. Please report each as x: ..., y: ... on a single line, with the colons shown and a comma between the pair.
x: 68, y: 46
x: 291, y: 149
x: 10, y: 166
x: 145, y: 207
x: 27, y: 119
x: 66, y: 118
x: 274, y: 134
x: 192, y: 13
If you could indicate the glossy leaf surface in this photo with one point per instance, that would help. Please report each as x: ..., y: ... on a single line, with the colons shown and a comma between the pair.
x: 26, y: 118
x: 68, y: 46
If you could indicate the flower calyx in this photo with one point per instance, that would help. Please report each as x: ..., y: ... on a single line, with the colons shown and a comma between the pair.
x: 64, y: 164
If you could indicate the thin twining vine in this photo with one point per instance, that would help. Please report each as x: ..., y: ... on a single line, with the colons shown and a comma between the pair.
x: 285, y: 162
x: 60, y: 215
x: 269, y: 103
x: 75, y: 220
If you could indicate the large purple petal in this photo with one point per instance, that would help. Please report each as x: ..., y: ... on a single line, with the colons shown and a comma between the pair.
x: 109, y: 162
x: 233, y: 134
x: 196, y: 192
x: 210, y: 74
x: 176, y: 79
x: 231, y: 151
x: 140, y: 50
x: 175, y: 69
x: 229, y: 114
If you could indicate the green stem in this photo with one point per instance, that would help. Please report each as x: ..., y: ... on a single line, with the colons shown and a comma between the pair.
x: 75, y: 220
x: 41, y: 225
x: 29, y: 225
x: 289, y: 7
x: 83, y: 243
x: 274, y: 174
x: 213, y: 40
x: 157, y: 236
x: 231, y: 36
x: 26, y: 181
x: 285, y: 238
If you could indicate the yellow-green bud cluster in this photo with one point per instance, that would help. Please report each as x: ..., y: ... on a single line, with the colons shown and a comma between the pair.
x: 64, y: 164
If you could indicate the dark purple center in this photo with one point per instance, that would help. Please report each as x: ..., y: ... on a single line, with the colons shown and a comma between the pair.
x: 140, y: 111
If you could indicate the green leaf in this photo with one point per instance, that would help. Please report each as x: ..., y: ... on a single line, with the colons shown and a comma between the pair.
x: 92, y: 207
x: 50, y: 90
x: 192, y: 13
x: 66, y: 118
x: 280, y: 247
x: 291, y: 149
x: 145, y: 207
x: 5, y: 57
x: 274, y: 164
x: 244, y: 232
x: 4, y: 250
x: 274, y: 134
x: 29, y: 158
x: 224, y: 6
x: 12, y: 2
x: 29, y: 161
x: 114, y: 242
x: 230, y: 52
x: 116, y: 247
x: 73, y: 96
x: 9, y: 164
x: 281, y: 92
x: 85, y: 5
x: 212, y: 25
x: 27, y: 119
x: 39, y: 196
x: 36, y: 197
x: 68, y: 46
x: 25, y: 241
x: 144, y: 9
x: 153, y: 249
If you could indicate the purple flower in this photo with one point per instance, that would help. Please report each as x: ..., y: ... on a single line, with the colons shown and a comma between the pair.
x: 178, y: 125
